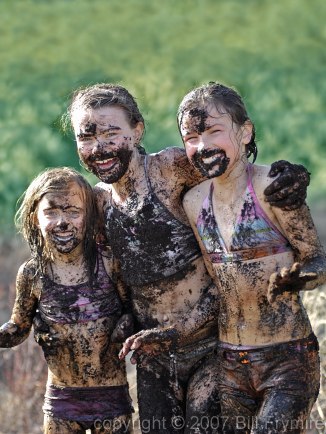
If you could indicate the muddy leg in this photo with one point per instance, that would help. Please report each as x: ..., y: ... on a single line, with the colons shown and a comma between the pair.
x: 53, y: 425
x: 160, y: 401
x: 118, y: 425
x: 203, y: 406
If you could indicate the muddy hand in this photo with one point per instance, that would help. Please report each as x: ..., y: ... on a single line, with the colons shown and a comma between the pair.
x: 289, y: 190
x: 288, y: 279
x: 43, y: 334
x: 123, y: 329
x: 150, y: 342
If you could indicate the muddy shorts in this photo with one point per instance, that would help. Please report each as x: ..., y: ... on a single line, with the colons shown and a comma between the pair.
x: 89, y: 406
x: 269, y: 389
x: 177, y: 392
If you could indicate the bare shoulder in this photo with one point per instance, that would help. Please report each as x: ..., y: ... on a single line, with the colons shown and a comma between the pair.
x: 27, y: 280
x: 260, y: 179
x: 193, y: 199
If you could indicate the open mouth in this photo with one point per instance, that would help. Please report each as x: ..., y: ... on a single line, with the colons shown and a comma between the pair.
x: 63, y: 237
x: 107, y: 163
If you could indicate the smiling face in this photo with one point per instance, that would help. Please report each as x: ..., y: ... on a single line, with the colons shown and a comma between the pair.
x: 106, y: 141
x: 61, y: 219
x: 213, y: 142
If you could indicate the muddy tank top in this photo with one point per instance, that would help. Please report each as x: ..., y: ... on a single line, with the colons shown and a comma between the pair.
x: 151, y: 244
x: 79, y: 303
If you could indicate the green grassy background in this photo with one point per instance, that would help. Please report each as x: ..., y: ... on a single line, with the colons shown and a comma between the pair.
x: 273, y: 52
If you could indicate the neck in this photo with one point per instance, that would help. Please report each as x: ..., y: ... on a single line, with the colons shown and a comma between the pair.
x: 132, y: 181
x: 232, y: 182
x: 73, y: 259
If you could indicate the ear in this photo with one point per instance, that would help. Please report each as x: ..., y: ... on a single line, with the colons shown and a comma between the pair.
x: 246, y: 132
x: 138, y: 131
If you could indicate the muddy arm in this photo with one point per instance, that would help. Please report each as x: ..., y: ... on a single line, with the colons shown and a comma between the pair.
x: 17, y: 329
x: 309, y: 270
x: 125, y: 325
x: 154, y: 341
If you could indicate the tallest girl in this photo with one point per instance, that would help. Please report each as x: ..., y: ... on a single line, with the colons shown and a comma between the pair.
x: 140, y: 196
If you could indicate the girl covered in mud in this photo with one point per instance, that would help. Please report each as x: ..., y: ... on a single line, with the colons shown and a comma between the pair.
x: 68, y: 283
x: 260, y: 257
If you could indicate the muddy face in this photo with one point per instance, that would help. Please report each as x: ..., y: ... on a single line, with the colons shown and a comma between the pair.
x: 61, y: 219
x: 106, y: 141
x: 210, y: 163
x: 213, y: 142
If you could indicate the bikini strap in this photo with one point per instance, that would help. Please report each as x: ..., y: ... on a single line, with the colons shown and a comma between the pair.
x: 148, y: 182
x: 249, y: 179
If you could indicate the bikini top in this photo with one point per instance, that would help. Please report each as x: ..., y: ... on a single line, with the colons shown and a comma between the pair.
x: 79, y: 303
x: 254, y: 234
x: 150, y: 244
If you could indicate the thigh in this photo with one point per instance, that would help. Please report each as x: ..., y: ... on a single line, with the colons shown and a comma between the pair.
x: 53, y: 425
x: 203, y: 406
x: 286, y: 406
x: 160, y: 397
x: 282, y: 412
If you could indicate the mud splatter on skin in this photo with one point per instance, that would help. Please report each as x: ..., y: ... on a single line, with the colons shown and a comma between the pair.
x: 289, y: 191
x: 124, y: 157
x: 221, y: 162
x: 195, y: 121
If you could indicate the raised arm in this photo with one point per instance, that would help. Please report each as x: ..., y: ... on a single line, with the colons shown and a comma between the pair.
x: 17, y: 329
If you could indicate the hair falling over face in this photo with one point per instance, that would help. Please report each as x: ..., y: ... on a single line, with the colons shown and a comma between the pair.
x: 54, y: 181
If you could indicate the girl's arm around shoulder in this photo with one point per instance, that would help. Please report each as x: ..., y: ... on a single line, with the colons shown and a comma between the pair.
x: 175, y: 166
x: 17, y: 329
x: 298, y: 227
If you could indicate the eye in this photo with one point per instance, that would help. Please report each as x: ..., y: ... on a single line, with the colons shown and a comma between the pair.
x: 191, y: 138
x: 109, y: 134
x: 85, y: 138
x: 215, y: 131
x: 50, y: 213
x: 73, y: 213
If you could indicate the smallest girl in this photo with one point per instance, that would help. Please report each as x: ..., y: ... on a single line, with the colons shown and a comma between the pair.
x: 67, y: 283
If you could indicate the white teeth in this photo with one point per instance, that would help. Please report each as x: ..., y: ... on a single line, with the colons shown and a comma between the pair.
x: 63, y: 237
x: 209, y: 160
x: 105, y: 161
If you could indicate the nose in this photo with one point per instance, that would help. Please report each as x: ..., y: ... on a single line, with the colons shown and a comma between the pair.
x: 62, y: 221
x: 203, y: 143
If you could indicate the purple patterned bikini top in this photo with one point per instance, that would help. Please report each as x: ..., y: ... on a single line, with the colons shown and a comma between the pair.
x: 254, y: 234
x: 79, y: 303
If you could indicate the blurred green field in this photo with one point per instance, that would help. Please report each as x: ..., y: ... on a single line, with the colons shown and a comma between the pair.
x: 272, y: 52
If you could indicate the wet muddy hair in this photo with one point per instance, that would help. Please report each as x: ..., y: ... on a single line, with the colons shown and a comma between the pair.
x: 52, y: 181
x: 222, y: 98
x: 102, y: 95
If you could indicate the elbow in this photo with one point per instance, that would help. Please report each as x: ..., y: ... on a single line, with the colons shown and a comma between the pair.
x: 12, y: 335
